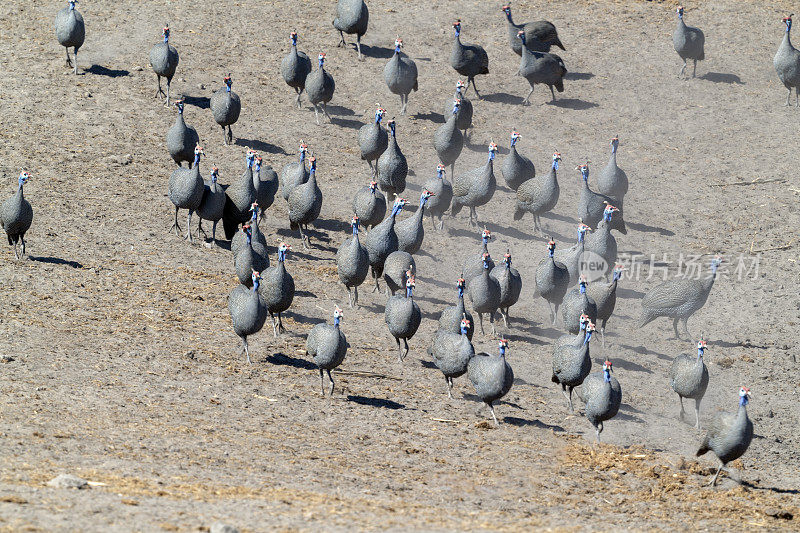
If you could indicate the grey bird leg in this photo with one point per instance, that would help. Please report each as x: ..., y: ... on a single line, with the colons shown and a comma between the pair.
x: 160, y: 91
x: 322, y: 382
x: 675, y: 327
x: 358, y: 45
x: 491, y: 321
x: 686, y: 328
x: 694, y: 70
x: 507, y: 316
x: 797, y: 96
x: 441, y: 224
x: 316, y: 113
x: 680, y: 415
x: 405, y: 352
x: 553, y: 94
x: 189, y: 226
x: 281, y: 329
x: 175, y: 224
x: 399, y: 349
x: 246, y: 349
x: 230, y: 135
x: 377, y: 286
x: 23, y: 246
x: 603, y: 337
x: 200, y: 228
x: 325, y: 110
x: 449, y: 381
x: 697, y: 413
x: 714, y: 481
x: 274, y: 325
x: 555, y: 316
x: 453, y: 170
x: 683, y: 68
x: 16, y: 254
x: 76, y: 61
x: 491, y: 408
x: 214, y: 234
x: 355, y: 296
x: 69, y: 61
x: 567, y: 396
x: 303, y: 237
x: 341, y: 43
x: 480, y: 319
x: 374, y: 170
x: 786, y: 105
x: 224, y: 136
x: 526, y: 101
x: 472, y: 212
x: 472, y: 79
x: 166, y: 102
x: 330, y: 378
x: 297, y: 102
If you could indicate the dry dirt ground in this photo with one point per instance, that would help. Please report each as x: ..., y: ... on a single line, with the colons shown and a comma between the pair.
x: 122, y: 366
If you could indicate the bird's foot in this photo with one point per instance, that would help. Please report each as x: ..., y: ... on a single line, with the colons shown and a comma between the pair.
x: 175, y: 227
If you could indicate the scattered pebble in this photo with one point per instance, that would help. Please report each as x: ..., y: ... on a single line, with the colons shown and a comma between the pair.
x: 201, y: 86
x: 219, y: 527
x: 68, y: 481
x: 138, y: 69
x: 6, y: 359
x: 773, y: 512
x: 87, y: 94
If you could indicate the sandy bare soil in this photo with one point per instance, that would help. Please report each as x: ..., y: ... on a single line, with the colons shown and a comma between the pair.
x: 122, y: 367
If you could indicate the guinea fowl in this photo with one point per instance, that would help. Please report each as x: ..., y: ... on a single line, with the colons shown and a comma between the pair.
x: 448, y: 140
x: 571, y: 364
x: 373, y: 140
x: 247, y: 311
x: 164, y: 60
x: 473, y: 266
x: 327, y: 345
x: 484, y: 293
x: 475, y: 188
x: 305, y: 204
x: 392, y: 167
x: 212, y: 205
x: 369, y: 205
x: 602, y: 395
x: 181, y: 139
x: 295, y: 67
x: 688, y: 377
x: 516, y: 168
x: 250, y: 257
x: 410, y: 232
x: 240, y: 196
x: 464, y: 114
x: 469, y: 60
x: 605, y: 297
x: 265, y: 188
x: 70, y: 30
x: 451, y: 317
x: 510, y: 285
x: 613, y: 181
x: 225, y: 107
x: 601, y: 242
x: 539, y: 35
x: 451, y: 353
x: 352, y: 264
x: 259, y: 240
x: 571, y: 257
x: 185, y: 190
x: 576, y: 303
x: 574, y: 340
x: 688, y: 42
x: 491, y: 376
x: 396, y: 269
x: 16, y: 216
x: 382, y: 241
x: 541, y: 67
x: 787, y: 64
x: 403, y: 316
x: 729, y: 434
x: 552, y: 281
x: 277, y: 292
x: 539, y: 195
x: 678, y: 299
x: 320, y: 88
x: 441, y: 195
x: 293, y: 174
x: 592, y: 205
x: 352, y: 17
x: 400, y: 75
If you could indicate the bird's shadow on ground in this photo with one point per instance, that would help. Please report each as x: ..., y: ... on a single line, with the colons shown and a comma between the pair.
x: 721, y: 77
x: 562, y: 218
x: 436, y: 118
x: 103, y: 71
x: 282, y: 359
x: 524, y: 422
x: 55, y: 261
x: 650, y: 229
x: 475, y: 232
x: 375, y: 402
x: 436, y: 283
x: 340, y: 111
x: 522, y: 338
x: 346, y: 123
x: 503, y: 98
x: 644, y: 351
x: 484, y: 147
x: 573, y: 103
x: 300, y: 319
x: 261, y: 146
x: 625, y: 365
x: 771, y: 489
x: 428, y: 364
x: 578, y: 76
x: 332, y: 224
x: 375, y: 51
x: 201, y: 102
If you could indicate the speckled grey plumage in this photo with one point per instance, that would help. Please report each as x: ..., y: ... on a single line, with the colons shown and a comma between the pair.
x: 295, y: 67
x: 212, y: 205
x: 439, y: 203
x: 403, y: 317
x: 552, y: 282
x: 257, y: 236
x: 400, y: 75
x: 469, y: 60
x: 185, y: 191
x: 612, y: 181
x: 369, y: 205
x: 571, y: 364
x: 247, y: 313
x: 484, y: 293
x: 352, y: 17
x: 164, y: 60
x: 320, y: 87
x: 352, y: 265
x: 516, y: 168
x: 394, y: 270
x: 392, y: 167
x: 277, y: 292
x: 327, y: 346
x: 305, y: 205
x: 678, y: 299
x: 591, y: 205
x: 265, y: 182
x: 538, y: 195
x: 450, y: 319
x: 542, y: 68
x: 605, y: 297
x: 571, y: 256
x: 240, y: 195
x: 473, y: 265
x: 539, y: 35
x: 252, y: 256
x: 492, y: 377
x: 380, y: 242
x: 576, y: 304
x: 689, y: 42
x: 294, y: 173
x: 410, y: 232
x: 601, y: 242
x: 226, y: 107
x: 510, y: 286
x: 451, y: 353
x: 475, y: 188
x: 448, y: 141
x: 729, y: 435
x: 688, y: 377
x: 181, y: 139
x: 787, y: 64
x: 373, y: 141
x: 465, y: 110
x: 16, y: 217
x: 70, y: 31
x: 602, y: 399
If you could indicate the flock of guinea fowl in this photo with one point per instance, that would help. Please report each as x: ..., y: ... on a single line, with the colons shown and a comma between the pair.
x: 388, y: 248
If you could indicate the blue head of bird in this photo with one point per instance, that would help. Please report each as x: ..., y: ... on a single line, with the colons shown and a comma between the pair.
x: 584, y: 170
x: 398, y: 44
x: 521, y: 36
x: 258, y: 161
x: 398, y: 206
x: 337, y: 316
x: 582, y: 229
x: 485, y: 236
x: 254, y: 210
x: 423, y: 198
x: 614, y: 144
x: 457, y: 27
x: 551, y: 248
x: 486, y: 259
x: 354, y: 224
x: 507, y: 11
x: 312, y: 162
x: 556, y: 160
x: 607, y: 370
x: 460, y: 87
x: 250, y: 155
x: 617, y: 273
x: 71, y: 4
x: 282, y: 249
x: 456, y: 105
x: 788, y: 22
x: 440, y: 171
x: 701, y: 348
x: 247, y: 233
x: 303, y: 150
x: 590, y: 328
x: 514, y: 137
x: 165, y: 32
x: 679, y: 11
x: 214, y: 174
x: 410, y: 282
x: 379, y: 114
x: 507, y: 259
x: 464, y: 326
x: 293, y: 37
x: 198, y: 151
x: 492, y: 151
x: 392, y: 126
x: 23, y: 178
x: 373, y: 187
x: 321, y: 59
x: 228, y: 82
x: 503, y: 347
x: 609, y: 211
x: 256, y: 277
x: 744, y: 396
x: 460, y: 285
x: 582, y: 284
x: 583, y: 320
x: 179, y: 104
x: 715, y: 262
